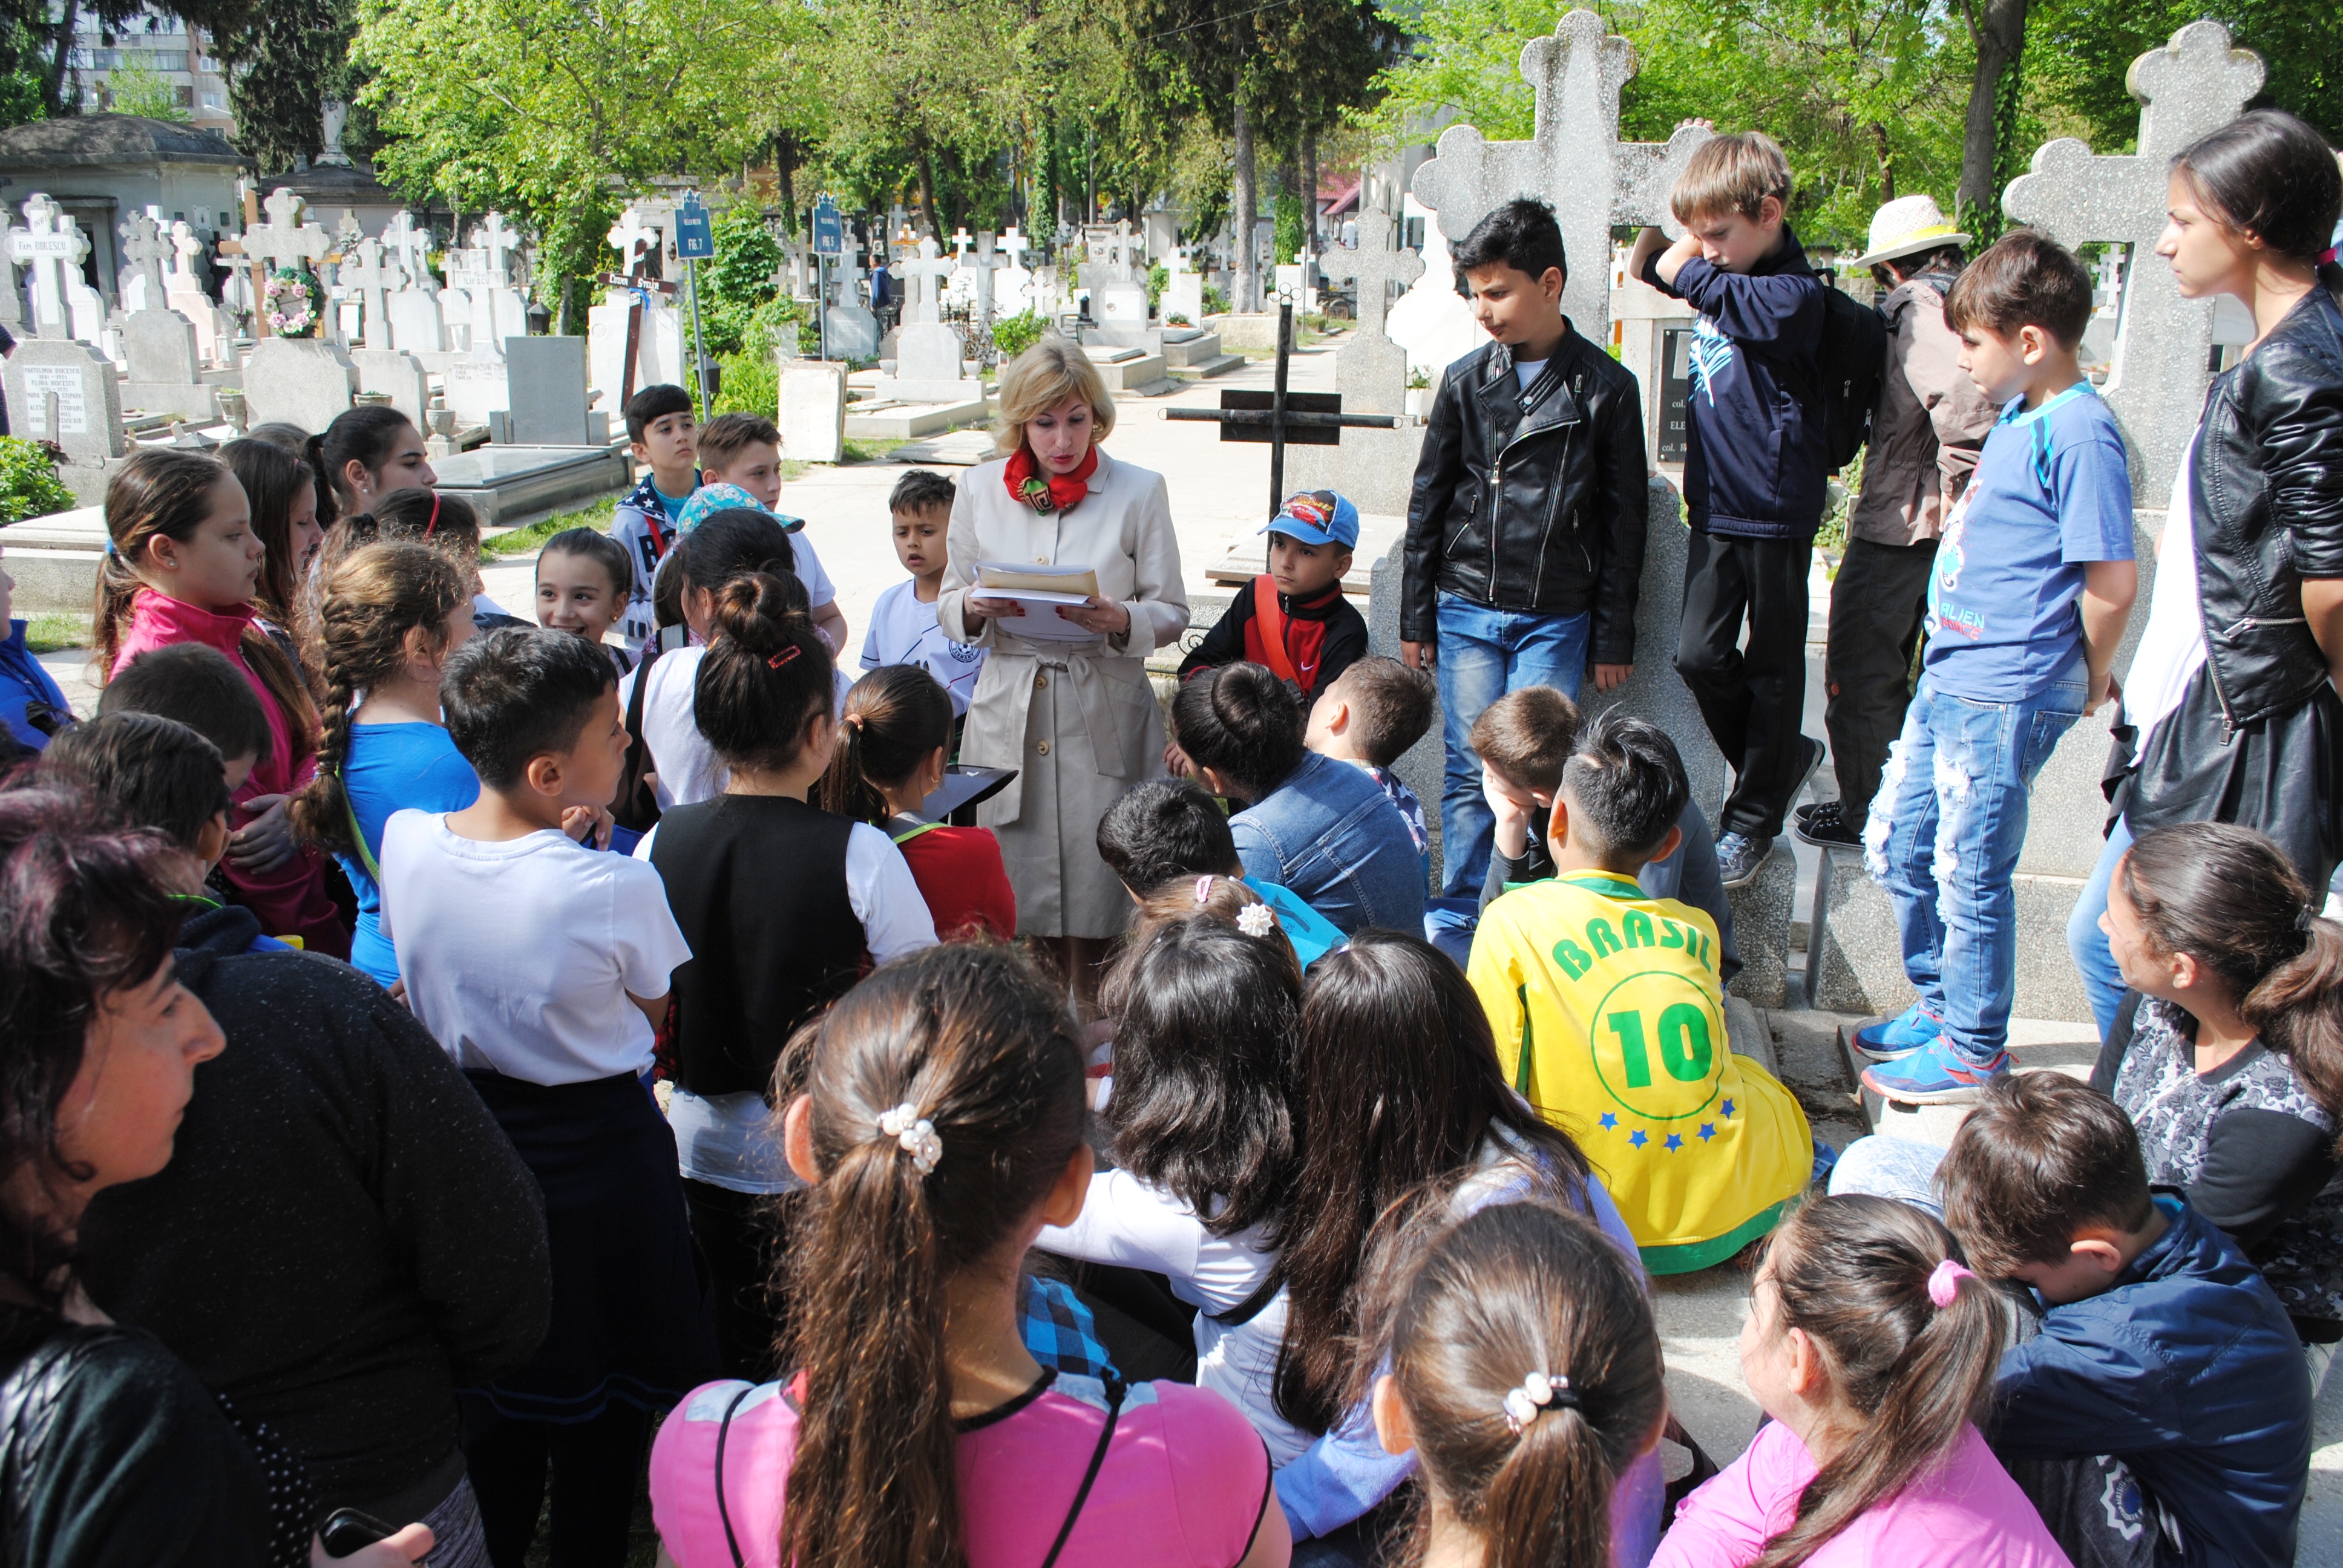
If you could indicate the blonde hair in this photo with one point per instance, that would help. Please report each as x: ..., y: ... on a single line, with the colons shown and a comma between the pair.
x: 1045, y: 375
x: 1732, y: 174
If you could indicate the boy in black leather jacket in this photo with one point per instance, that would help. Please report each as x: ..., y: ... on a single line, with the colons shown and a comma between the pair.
x: 1525, y: 530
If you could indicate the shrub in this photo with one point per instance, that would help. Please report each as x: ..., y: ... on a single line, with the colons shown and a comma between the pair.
x: 1216, y: 300
x: 29, y: 485
x: 1013, y: 335
x: 1159, y: 278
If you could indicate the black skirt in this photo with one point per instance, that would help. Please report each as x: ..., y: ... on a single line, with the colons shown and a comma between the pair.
x: 631, y: 1318
x: 2282, y: 775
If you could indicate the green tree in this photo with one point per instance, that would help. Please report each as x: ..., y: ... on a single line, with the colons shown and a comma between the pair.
x: 739, y: 284
x: 2077, y: 51
x: 284, y: 65
x: 136, y: 90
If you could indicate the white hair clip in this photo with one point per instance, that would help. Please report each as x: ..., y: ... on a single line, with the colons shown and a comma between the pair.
x: 915, y: 1133
x: 1203, y: 889
x: 1537, y: 1392
x: 1255, y: 920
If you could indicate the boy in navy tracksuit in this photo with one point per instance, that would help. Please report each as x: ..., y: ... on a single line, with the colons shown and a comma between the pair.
x: 1754, y: 469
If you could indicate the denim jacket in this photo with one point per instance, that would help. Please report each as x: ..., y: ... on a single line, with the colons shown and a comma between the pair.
x: 1331, y: 836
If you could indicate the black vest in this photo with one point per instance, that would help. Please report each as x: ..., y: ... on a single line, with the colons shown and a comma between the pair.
x: 758, y: 884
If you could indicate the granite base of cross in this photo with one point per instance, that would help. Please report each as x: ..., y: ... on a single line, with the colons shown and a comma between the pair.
x: 1281, y: 417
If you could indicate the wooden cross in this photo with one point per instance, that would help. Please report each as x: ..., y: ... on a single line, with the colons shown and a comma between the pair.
x: 49, y: 242
x: 925, y: 280
x: 1376, y: 264
x: 143, y: 250
x: 364, y: 272
x: 1279, y: 416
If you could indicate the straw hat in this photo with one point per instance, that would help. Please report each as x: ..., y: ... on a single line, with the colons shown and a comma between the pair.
x: 1907, y: 224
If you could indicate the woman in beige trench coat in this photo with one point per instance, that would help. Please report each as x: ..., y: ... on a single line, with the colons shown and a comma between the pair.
x: 1077, y: 719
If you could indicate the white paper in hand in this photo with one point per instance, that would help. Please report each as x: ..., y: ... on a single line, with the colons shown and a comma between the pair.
x: 1038, y: 591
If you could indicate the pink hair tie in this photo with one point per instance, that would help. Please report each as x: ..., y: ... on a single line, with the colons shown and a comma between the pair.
x: 1203, y: 889
x: 1944, y: 1283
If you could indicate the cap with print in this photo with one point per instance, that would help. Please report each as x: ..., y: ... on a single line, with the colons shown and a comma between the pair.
x: 1317, y: 517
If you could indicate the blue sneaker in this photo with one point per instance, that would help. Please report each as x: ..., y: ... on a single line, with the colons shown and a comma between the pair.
x: 1899, y: 1037
x: 1936, y: 1074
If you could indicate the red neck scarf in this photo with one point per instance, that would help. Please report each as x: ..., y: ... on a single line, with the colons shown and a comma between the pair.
x: 1057, y: 492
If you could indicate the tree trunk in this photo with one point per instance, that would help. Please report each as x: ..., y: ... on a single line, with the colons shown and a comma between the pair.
x: 1999, y: 27
x: 928, y: 192
x: 1310, y: 190
x: 1244, y: 208
x: 785, y: 158
x: 1886, y: 163
x: 52, y: 87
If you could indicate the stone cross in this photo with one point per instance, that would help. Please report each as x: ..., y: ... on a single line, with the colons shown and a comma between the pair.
x: 988, y: 261
x: 412, y: 245
x: 924, y: 280
x: 52, y: 244
x: 144, y: 250
x: 1573, y: 159
x: 363, y: 271
x: 496, y: 242
x: 285, y: 237
x: 1376, y: 263
x: 2156, y: 379
x: 849, y: 272
x: 961, y: 240
x: 185, y: 247
x: 1015, y: 244
x: 12, y: 300
x: 632, y: 239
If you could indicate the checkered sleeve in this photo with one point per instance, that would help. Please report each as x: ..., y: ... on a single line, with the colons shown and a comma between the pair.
x: 1058, y: 1328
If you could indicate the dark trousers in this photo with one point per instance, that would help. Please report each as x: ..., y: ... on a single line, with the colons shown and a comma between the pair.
x: 1878, y: 603
x: 597, y: 1472
x: 1753, y: 702
x: 738, y: 1237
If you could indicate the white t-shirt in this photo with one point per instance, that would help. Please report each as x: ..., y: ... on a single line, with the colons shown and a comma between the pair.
x: 687, y: 766
x: 819, y: 589
x: 904, y: 632
x: 1127, y: 1222
x: 1528, y: 370
x: 519, y: 956
x: 729, y: 1140
x: 2172, y: 645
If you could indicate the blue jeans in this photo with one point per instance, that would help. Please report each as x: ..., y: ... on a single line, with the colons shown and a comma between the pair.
x: 1946, y: 847
x: 2093, y: 958
x: 1484, y: 654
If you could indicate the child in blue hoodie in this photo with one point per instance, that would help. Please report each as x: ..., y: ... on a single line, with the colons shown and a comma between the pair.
x: 2166, y: 1391
x: 32, y: 709
x: 1754, y: 470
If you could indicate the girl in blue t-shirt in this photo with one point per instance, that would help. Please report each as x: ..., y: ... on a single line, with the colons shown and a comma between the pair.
x: 391, y: 616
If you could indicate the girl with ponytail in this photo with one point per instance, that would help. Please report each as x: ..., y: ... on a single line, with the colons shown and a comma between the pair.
x: 2227, y: 1052
x: 284, y: 497
x: 1523, y: 1371
x: 784, y: 906
x: 941, y: 1127
x: 891, y: 745
x: 184, y: 565
x: 391, y: 617
x: 365, y: 454
x: 1873, y: 1349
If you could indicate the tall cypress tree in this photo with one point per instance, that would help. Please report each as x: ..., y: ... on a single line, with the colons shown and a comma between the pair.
x: 286, y: 63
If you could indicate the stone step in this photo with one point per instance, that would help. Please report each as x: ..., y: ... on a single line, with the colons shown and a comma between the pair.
x: 2039, y: 1045
x: 880, y: 421
x: 1189, y: 352
x: 1203, y: 370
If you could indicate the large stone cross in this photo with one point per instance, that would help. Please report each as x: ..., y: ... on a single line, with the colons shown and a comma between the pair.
x: 285, y: 237
x: 51, y: 243
x: 411, y: 245
x: 1573, y: 159
x: 145, y: 248
x: 2156, y: 382
x: 1376, y: 263
x: 987, y: 262
x: 187, y: 246
x: 1015, y: 244
x: 497, y: 244
x: 364, y: 272
x: 633, y: 240
x: 924, y: 279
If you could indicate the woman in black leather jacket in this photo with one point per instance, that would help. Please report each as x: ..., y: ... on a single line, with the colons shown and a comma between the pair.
x: 2231, y: 700
x: 111, y: 1456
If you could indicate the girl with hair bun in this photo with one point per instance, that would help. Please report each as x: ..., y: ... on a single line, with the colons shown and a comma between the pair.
x: 2227, y: 1052
x: 1873, y: 1349
x: 941, y: 1126
x: 769, y: 952
x: 891, y: 745
x: 184, y: 565
x: 2229, y: 710
x: 1525, y: 1372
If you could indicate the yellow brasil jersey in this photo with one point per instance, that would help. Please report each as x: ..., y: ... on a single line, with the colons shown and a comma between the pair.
x: 1610, y: 1020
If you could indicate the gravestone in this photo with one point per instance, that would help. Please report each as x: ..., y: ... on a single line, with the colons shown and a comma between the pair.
x: 545, y: 379
x: 852, y: 330
x: 658, y: 345
x: 416, y: 326
x: 1375, y: 468
x: 144, y: 250
x: 165, y: 366
x: 456, y: 308
x: 1656, y: 346
x: 500, y: 309
x: 284, y: 241
x: 985, y: 264
x: 475, y: 386
x: 2158, y: 377
x: 364, y: 273
x: 1432, y: 321
x: 65, y: 391
x: 410, y: 246
x: 1183, y: 292
x: 927, y: 354
x: 182, y: 291
x: 397, y: 374
x: 1015, y: 285
x: 52, y: 246
x: 1573, y: 159
x: 813, y: 411
x: 300, y: 381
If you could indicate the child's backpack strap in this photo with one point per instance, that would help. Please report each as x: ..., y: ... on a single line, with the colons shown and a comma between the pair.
x: 1270, y: 617
x: 1114, y: 1392
x: 357, y: 835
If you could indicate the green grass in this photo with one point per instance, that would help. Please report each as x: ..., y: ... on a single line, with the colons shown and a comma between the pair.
x: 55, y: 631
x: 867, y: 449
x: 595, y: 515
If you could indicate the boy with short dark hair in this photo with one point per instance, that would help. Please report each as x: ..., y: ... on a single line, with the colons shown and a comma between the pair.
x: 1370, y: 718
x: 1754, y: 473
x: 740, y: 465
x: 2162, y: 1353
x: 1295, y: 619
x: 543, y: 968
x: 1524, y: 553
x: 1524, y: 740
x: 2034, y: 582
x: 1167, y: 831
x: 1609, y: 1015
x: 903, y: 625
x: 197, y: 685
x: 661, y: 431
